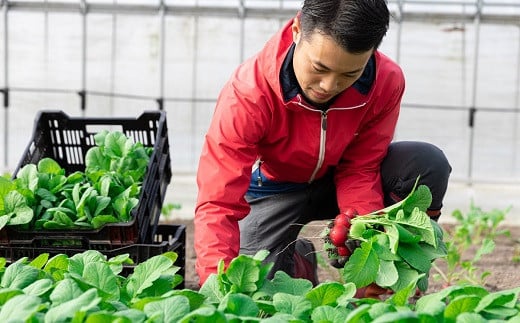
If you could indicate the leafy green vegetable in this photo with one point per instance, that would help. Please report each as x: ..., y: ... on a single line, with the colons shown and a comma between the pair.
x: 90, y: 289
x: 398, y: 244
x: 42, y: 196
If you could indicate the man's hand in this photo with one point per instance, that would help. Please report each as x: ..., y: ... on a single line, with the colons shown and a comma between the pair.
x: 338, y: 246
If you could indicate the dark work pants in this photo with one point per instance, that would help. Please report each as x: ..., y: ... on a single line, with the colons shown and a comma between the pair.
x: 276, y: 220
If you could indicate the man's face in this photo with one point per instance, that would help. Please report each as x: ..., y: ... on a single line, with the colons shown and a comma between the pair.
x: 322, y: 67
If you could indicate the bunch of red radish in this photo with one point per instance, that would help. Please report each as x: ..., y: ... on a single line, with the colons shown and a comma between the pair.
x: 339, y: 231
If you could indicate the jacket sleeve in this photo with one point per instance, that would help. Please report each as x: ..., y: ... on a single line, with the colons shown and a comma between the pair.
x: 223, y: 176
x: 357, y: 177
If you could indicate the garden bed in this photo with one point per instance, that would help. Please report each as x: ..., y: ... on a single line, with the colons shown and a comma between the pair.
x: 503, y: 263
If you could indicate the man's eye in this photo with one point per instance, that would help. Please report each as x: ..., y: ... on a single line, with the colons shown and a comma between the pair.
x: 318, y: 70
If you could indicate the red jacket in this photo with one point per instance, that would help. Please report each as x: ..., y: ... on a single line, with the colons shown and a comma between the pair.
x: 295, y: 141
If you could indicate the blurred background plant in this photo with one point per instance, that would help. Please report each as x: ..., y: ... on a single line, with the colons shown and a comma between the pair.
x: 471, y: 237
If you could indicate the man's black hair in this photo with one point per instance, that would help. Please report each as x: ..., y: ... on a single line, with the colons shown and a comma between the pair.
x: 356, y: 25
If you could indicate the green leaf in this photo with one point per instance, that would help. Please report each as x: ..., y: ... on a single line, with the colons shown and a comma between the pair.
x: 117, y: 145
x: 421, y: 222
x: 284, y: 283
x: 380, y: 309
x: 387, y: 274
x: 325, y: 294
x: 433, y: 253
x: 66, y: 310
x: 239, y: 304
x: 39, y: 287
x: 47, y: 196
x: 18, y: 275
x: 383, y: 250
x: 19, y: 308
x: 405, y: 235
x: 6, y: 186
x: 407, y: 276
x: 414, y: 255
x: 64, y: 291
x: 331, y: 314
x: 16, y: 206
x: 170, y: 309
x: 100, y: 220
x: 401, y: 317
x: 4, y: 219
x: 453, y: 292
x: 195, y: 298
x: 297, y: 306
x: 160, y: 286
x: 500, y: 312
x: 471, y: 318
x: 100, y: 203
x: 401, y: 295
x: 487, y: 247
x: 57, y: 266
x: 346, y: 297
x: 105, y: 317
x: 357, y: 229
x: 506, y: 298
x: 95, y: 159
x: 433, y: 307
x: 393, y: 237
x: 50, y: 166
x: 363, y: 266
x: 99, y: 275
x: 27, y: 177
x: 40, y: 261
x: 360, y: 314
x: 244, y: 272
x: 8, y: 293
x: 205, y: 315
x: 211, y: 289
x: 78, y: 262
x: 420, y: 198
x: 146, y: 273
x: 461, y: 304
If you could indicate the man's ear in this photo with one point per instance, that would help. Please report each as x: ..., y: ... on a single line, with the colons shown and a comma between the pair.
x: 296, y: 30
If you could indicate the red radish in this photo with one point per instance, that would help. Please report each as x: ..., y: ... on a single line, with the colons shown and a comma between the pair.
x: 343, y: 251
x: 342, y: 219
x: 338, y: 235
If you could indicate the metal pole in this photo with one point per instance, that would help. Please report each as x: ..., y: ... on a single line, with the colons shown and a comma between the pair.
x: 162, y: 36
x: 473, y: 109
x: 82, y: 93
x: 46, y: 41
x: 194, y: 88
x: 517, y: 108
x: 6, y: 82
x: 399, y: 30
x: 463, y: 74
x: 241, y: 15
x: 113, y: 59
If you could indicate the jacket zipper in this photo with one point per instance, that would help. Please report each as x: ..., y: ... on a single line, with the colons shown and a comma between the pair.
x: 323, y: 140
x: 323, y: 131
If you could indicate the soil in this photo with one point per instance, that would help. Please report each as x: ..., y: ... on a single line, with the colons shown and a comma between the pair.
x: 503, y: 264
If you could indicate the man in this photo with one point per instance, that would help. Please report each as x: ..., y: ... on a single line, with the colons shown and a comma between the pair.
x: 303, y: 131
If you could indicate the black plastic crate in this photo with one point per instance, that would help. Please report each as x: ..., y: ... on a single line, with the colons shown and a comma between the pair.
x: 167, y: 238
x: 67, y: 140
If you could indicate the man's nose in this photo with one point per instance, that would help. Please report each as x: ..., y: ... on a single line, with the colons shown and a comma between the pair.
x: 329, y: 84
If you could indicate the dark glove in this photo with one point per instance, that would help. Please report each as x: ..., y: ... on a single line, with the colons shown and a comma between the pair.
x: 372, y: 291
x: 340, y: 255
